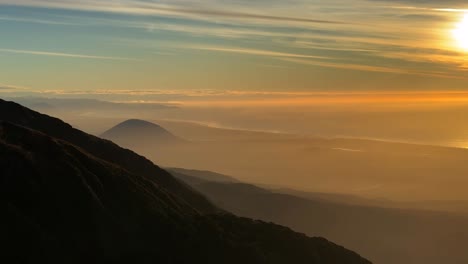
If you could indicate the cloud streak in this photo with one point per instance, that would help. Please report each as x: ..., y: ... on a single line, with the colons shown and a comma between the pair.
x: 36, y: 21
x: 255, y: 52
x: 240, y: 15
x: 4, y: 87
x: 59, y: 54
x: 151, y: 8
x: 370, y: 68
x: 12, y: 88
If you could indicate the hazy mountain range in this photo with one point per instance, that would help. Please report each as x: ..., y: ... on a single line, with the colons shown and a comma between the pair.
x: 385, y: 235
x: 372, y: 169
x: 391, y: 228
x: 69, y: 197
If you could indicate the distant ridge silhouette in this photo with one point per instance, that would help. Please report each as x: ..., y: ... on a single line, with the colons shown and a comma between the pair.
x: 387, y: 233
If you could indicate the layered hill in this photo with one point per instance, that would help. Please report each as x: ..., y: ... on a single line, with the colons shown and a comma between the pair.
x: 385, y: 235
x: 68, y: 197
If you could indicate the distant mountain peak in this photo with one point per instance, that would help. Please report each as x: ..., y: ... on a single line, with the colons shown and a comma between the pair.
x: 137, y: 130
x: 139, y: 123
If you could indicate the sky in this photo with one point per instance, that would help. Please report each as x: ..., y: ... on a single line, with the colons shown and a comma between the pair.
x: 292, y: 47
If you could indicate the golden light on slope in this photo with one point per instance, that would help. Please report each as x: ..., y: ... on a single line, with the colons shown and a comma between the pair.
x: 460, y: 33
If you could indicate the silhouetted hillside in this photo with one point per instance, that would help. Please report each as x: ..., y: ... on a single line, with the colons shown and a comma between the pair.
x: 134, y: 133
x: 61, y: 203
x: 103, y: 149
x: 386, y: 236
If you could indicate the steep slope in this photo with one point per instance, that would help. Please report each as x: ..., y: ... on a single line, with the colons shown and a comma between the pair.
x: 135, y: 132
x: 384, y: 235
x: 77, y: 207
x: 61, y: 204
x: 130, y: 161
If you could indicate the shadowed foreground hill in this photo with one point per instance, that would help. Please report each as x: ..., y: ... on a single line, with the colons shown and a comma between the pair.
x: 106, y: 150
x: 384, y: 235
x: 62, y: 204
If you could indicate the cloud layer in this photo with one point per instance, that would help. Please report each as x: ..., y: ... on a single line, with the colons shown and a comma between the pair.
x: 407, y: 38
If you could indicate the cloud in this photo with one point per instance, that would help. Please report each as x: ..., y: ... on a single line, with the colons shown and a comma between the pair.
x: 352, y: 100
x: 296, y: 31
x: 215, y: 93
x: 347, y: 149
x: 37, y: 21
x: 151, y: 8
x: 12, y: 88
x: 428, y: 9
x: 255, y: 52
x: 459, y: 3
x: 241, y: 15
x: 58, y: 54
x: 305, y: 59
x: 370, y: 68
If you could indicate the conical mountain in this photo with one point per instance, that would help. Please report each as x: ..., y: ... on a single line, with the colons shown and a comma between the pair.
x: 134, y: 133
x: 141, y: 129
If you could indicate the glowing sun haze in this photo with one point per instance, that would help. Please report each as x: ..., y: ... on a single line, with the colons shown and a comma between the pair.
x: 461, y: 33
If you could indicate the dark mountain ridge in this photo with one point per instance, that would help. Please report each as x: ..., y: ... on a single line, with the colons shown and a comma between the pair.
x: 127, y: 159
x: 66, y: 201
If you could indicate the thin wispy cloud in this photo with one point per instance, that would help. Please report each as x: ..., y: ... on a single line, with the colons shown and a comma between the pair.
x: 219, y: 93
x: 371, y: 68
x: 151, y: 8
x: 5, y: 87
x: 327, y: 62
x: 240, y: 15
x: 455, y: 10
x: 12, y: 88
x: 37, y: 21
x: 255, y: 52
x: 59, y: 54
